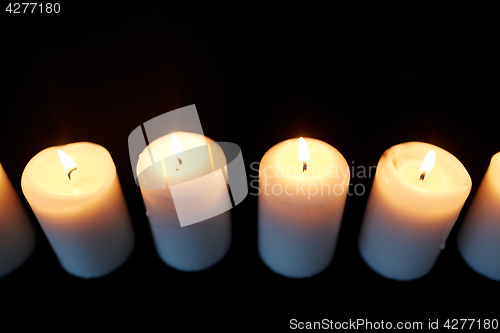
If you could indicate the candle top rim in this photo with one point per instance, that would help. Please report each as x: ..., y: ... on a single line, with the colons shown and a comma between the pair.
x: 30, y: 183
x: 142, y: 164
x: 331, y: 172
x: 465, y: 181
x: 151, y: 165
x: 274, y: 156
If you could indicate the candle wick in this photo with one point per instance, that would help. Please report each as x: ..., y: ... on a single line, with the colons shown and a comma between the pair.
x: 70, y: 171
x: 304, y: 166
x: 180, y: 163
x: 422, y: 176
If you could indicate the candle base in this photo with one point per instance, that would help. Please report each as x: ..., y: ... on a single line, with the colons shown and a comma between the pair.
x: 194, y: 247
x: 297, y: 249
x: 290, y: 272
x: 387, y: 268
x: 101, y: 258
x: 93, y: 265
x: 391, y: 252
x: 478, y: 241
x: 478, y: 264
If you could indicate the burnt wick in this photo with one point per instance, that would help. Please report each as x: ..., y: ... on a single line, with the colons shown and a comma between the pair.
x: 71, y: 171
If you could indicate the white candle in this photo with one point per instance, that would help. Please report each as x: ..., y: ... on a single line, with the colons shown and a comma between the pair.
x: 82, y: 211
x: 187, y: 200
x: 411, y: 209
x: 17, y: 237
x: 479, y: 236
x: 303, y: 187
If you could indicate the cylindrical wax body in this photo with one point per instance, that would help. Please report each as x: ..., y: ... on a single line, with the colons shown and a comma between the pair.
x: 407, y: 220
x: 196, y: 246
x: 300, y: 210
x: 85, y: 219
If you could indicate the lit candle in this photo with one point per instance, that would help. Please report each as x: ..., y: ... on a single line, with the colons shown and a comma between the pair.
x: 187, y: 201
x: 479, y: 236
x: 416, y: 197
x: 76, y: 196
x: 17, y: 237
x: 303, y: 187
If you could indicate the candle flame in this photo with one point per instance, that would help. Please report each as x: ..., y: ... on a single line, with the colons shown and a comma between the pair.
x: 303, y: 153
x: 427, y: 164
x: 68, y: 164
x: 176, y: 148
x: 176, y: 145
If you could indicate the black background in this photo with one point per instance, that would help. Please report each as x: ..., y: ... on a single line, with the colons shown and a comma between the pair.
x: 360, y: 77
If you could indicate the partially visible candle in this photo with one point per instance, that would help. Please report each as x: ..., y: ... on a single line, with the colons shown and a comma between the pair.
x: 479, y: 236
x: 17, y: 237
x: 416, y: 197
x: 303, y: 188
x: 76, y: 196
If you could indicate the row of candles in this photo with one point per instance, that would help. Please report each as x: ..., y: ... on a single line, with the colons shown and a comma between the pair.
x: 418, y: 192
